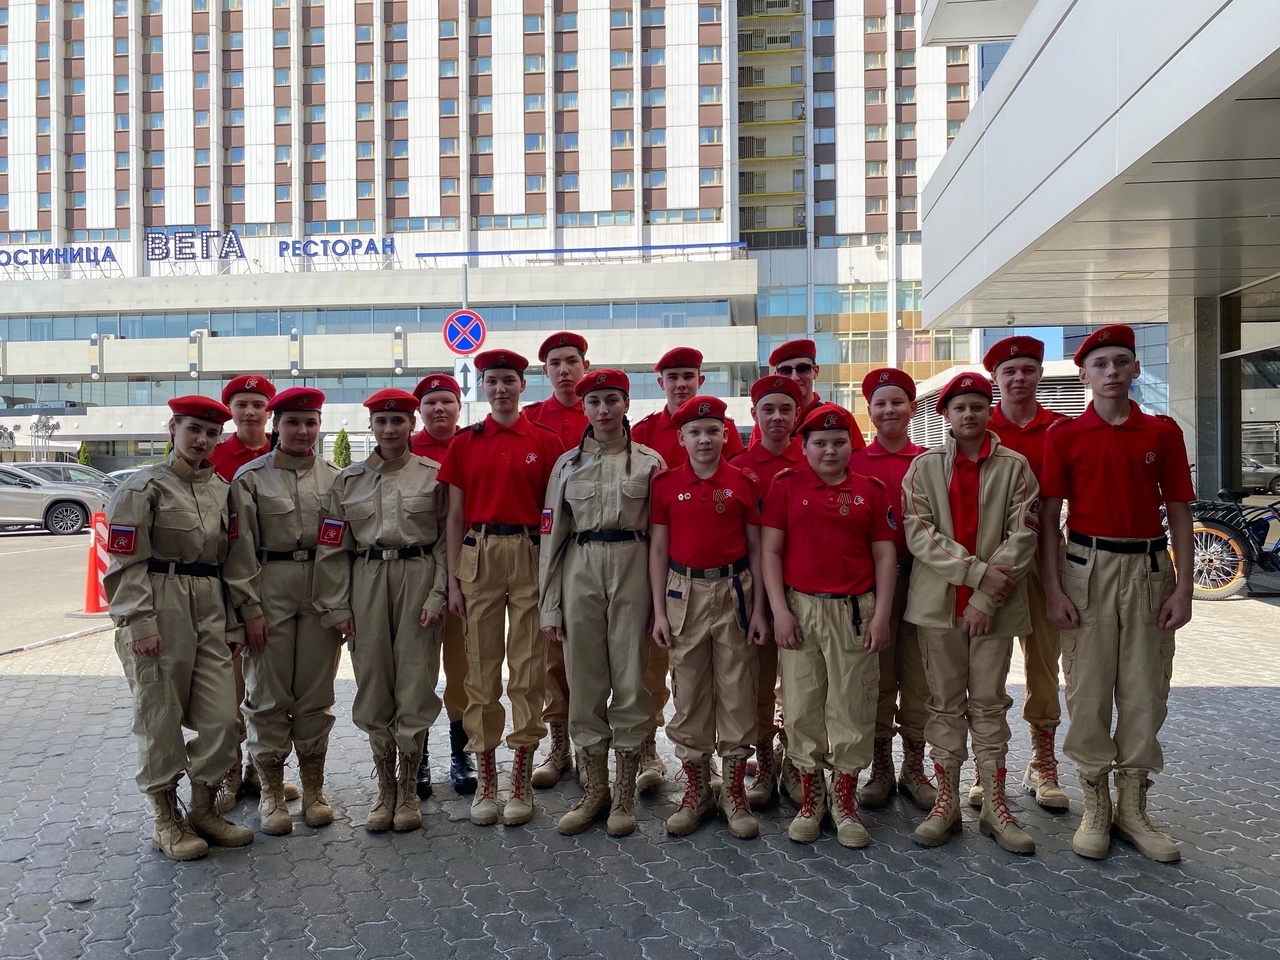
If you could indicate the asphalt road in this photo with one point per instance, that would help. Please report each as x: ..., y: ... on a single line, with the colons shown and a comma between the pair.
x: 41, y: 581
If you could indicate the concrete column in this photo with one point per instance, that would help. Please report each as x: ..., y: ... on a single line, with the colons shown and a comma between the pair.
x: 1194, y: 387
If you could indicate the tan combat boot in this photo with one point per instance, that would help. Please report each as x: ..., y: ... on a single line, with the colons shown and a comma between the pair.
x: 251, y: 785
x: 765, y: 781
x: 622, y: 813
x: 879, y: 786
x: 1092, y: 838
x: 408, y: 812
x: 912, y: 780
x: 382, y: 813
x: 652, y: 770
x: 594, y: 803
x: 975, y: 791
x: 484, y: 802
x: 519, y: 808
x: 995, y: 820
x: 698, y: 800
x: 229, y: 790
x: 807, y: 825
x: 850, y: 830
x: 315, y: 805
x: 944, y: 818
x: 208, y: 823
x: 733, y: 799
x: 272, y: 812
x: 559, y: 759
x: 1131, y: 823
x: 172, y: 835
x: 1041, y: 778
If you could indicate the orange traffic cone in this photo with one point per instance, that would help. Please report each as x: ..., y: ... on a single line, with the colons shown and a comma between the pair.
x: 95, y: 597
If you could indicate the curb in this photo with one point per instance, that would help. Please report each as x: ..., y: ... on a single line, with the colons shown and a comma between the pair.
x: 52, y: 640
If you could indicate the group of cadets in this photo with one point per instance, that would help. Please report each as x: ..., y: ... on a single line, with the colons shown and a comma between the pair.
x: 878, y: 587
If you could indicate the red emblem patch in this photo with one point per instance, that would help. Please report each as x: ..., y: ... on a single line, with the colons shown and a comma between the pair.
x: 331, y: 532
x: 548, y: 517
x: 233, y: 527
x: 122, y: 539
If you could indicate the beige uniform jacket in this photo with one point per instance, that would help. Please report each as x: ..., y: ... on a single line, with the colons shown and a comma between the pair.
x: 379, y: 504
x: 173, y: 512
x: 596, y: 493
x: 279, y: 502
x: 1007, y: 533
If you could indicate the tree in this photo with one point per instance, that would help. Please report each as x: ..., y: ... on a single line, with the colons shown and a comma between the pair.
x: 342, y: 449
x: 83, y: 456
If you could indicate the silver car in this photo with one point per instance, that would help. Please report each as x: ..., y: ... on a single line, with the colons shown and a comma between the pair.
x: 61, y: 508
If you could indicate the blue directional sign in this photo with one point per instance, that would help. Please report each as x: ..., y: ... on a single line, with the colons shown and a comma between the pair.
x: 464, y: 332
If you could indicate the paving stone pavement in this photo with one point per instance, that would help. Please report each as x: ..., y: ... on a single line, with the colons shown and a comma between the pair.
x: 80, y: 880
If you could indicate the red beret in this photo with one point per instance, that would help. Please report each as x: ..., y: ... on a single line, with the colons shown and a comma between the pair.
x: 828, y: 416
x: 602, y: 380
x: 775, y: 384
x: 1010, y: 348
x: 1116, y: 335
x: 888, y: 377
x: 698, y: 408
x: 679, y: 357
x: 437, y: 381
x: 564, y: 338
x: 297, y: 398
x: 248, y: 383
x: 963, y: 383
x: 392, y: 398
x: 504, y: 359
x: 202, y: 408
x: 792, y: 349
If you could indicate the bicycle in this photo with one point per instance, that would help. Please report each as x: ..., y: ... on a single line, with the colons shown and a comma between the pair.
x: 1230, y: 540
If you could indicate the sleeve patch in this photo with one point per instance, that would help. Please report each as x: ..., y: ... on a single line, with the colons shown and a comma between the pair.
x: 548, y: 517
x: 889, y: 518
x: 122, y: 539
x: 233, y: 526
x: 1033, y: 515
x: 331, y: 531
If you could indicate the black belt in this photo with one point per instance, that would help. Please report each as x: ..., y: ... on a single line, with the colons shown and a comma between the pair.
x: 507, y: 530
x: 610, y: 536
x: 171, y: 567
x: 710, y: 573
x: 855, y: 611
x: 1119, y: 546
x: 287, y: 556
x: 396, y: 553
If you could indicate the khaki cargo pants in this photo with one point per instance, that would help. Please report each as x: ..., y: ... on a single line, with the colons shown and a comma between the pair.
x: 1040, y: 653
x: 453, y: 651
x: 967, y: 695
x: 904, y: 689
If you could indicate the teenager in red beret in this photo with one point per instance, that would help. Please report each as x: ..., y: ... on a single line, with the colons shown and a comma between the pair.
x: 797, y: 359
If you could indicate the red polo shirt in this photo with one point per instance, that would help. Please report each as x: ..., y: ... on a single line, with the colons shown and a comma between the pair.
x: 707, y: 519
x: 1115, y: 478
x: 829, y: 530
x: 765, y: 466
x: 424, y: 444
x: 658, y: 433
x: 502, y: 471
x: 568, y: 422
x: 889, y: 469
x: 1027, y: 440
x: 230, y: 455
x: 964, y: 497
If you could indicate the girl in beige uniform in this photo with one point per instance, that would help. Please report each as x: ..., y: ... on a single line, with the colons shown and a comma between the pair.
x: 279, y: 501
x: 380, y: 579
x: 596, y: 601
x: 168, y: 530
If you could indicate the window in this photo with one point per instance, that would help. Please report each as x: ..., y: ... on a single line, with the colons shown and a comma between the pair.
x: 905, y: 21
x: 155, y: 44
x: 534, y: 141
x: 957, y: 56
x: 797, y: 146
x: 906, y: 204
x: 710, y: 135
x: 827, y: 171
x: 449, y: 108
x: 533, y: 24
x: 201, y: 43
x: 202, y: 195
x: 44, y: 201
x: 481, y: 27
x: 398, y: 188
x: 619, y: 58
x: 873, y: 61
x: 906, y: 94
x: 364, y: 33
x: 481, y: 66
x: 449, y: 68
x: 155, y: 158
x: 653, y: 18
x: 448, y: 146
x: 877, y: 168
x: 42, y: 51
x: 535, y: 184
x: 482, y: 185
x: 877, y: 132
x: 564, y: 61
x: 364, y: 189
x: 283, y: 115
x: 622, y: 99
x: 824, y: 208
x: 619, y: 18
x: 874, y: 25
x: 953, y: 128
x: 906, y: 168
x: 482, y: 104
x: 875, y: 204
x: 535, y: 103
x: 655, y: 179
x: 233, y: 118
x: 364, y: 72
x: 654, y: 137
x: 77, y: 85
x: 958, y: 92
x: 317, y: 151
x: 566, y: 21
x: 623, y: 180
x: 364, y: 111
x: 710, y: 54
x: 315, y: 191
x: 315, y: 113
x: 201, y: 82
x: 314, y: 75
x: 77, y: 161
x: 282, y: 77
x: 622, y: 139
x: 709, y: 14
x: 235, y: 41
x: 284, y: 154
x: 235, y: 155
x: 906, y: 58
x: 155, y: 121
x: 77, y: 124
x: 155, y: 196
x: 121, y: 8
x: 821, y: 28
x: 202, y: 157
x: 567, y: 101
x: 824, y: 135
x: 875, y: 96
x: 906, y: 131
x: 533, y: 63
x: 44, y: 125
x: 364, y: 150
x: 283, y: 192
x: 122, y: 198
x: 315, y: 36
x: 449, y: 186
x: 653, y: 58
x: 566, y: 141
x: 567, y: 181
x: 235, y: 78
x: 122, y: 160
x: 448, y: 28
x: 482, y: 144
x: 711, y: 176
x: 398, y: 110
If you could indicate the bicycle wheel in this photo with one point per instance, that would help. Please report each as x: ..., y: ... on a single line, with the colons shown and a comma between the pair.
x: 1221, y: 567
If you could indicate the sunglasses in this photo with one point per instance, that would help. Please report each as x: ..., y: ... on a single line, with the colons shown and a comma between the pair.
x: 800, y: 368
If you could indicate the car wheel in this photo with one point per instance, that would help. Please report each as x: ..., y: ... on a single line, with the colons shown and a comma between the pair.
x: 1221, y: 564
x: 65, y: 518
x: 1274, y: 489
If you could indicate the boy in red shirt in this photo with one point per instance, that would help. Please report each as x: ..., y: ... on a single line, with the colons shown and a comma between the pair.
x: 497, y: 471
x: 829, y: 566
x: 891, y: 401
x: 1113, y: 591
x: 704, y: 558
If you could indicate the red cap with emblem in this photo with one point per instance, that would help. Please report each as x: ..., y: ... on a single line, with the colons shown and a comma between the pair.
x: 565, y: 338
x: 1116, y: 335
x: 248, y: 383
x: 436, y: 381
x: 964, y: 383
x: 827, y: 416
x: 202, y: 408
x: 602, y: 380
x: 679, y: 357
x: 501, y: 359
x: 888, y: 377
x: 792, y: 350
x: 392, y: 398
x: 699, y: 408
x: 775, y: 384
x: 297, y: 398
x: 1010, y: 348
